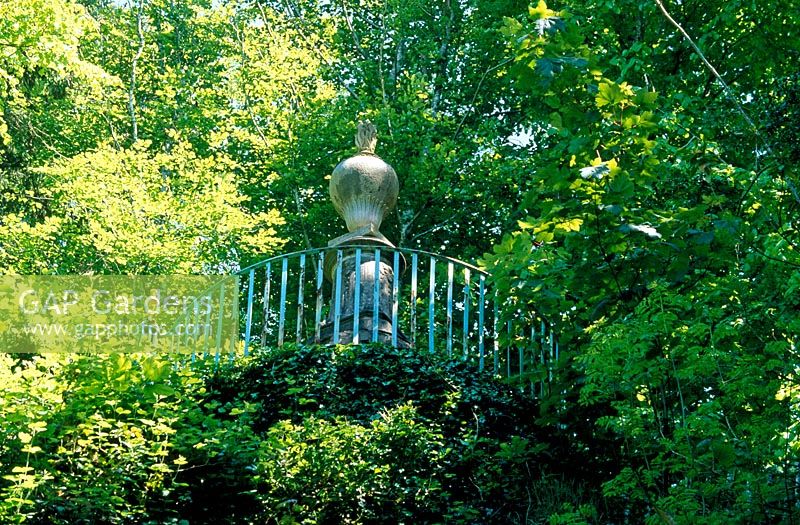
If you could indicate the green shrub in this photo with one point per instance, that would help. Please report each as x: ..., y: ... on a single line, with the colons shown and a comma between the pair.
x: 304, y: 434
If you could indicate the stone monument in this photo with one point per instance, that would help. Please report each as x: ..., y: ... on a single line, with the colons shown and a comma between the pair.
x: 363, y: 189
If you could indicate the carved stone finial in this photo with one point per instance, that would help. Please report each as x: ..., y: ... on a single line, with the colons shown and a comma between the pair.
x: 366, y: 137
x: 364, y: 187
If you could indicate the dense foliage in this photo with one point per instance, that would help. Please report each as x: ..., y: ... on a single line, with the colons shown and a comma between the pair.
x: 627, y: 168
x: 300, y: 434
x: 669, y: 257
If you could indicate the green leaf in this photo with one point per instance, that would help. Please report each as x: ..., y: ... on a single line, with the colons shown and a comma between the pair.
x: 622, y: 185
x: 540, y: 11
x: 611, y: 94
x: 159, y: 389
x: 572, y: 225
x: 646, y: 98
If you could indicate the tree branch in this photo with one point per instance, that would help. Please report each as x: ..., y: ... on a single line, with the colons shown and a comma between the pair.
x: 134, y: 62
x: 711, y: 68
x: 477, y: 90
x: 728, y: 93
x: 356, y: 40
x: 443, y: 58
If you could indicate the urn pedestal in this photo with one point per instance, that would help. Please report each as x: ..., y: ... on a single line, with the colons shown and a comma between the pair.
x: 363, y: 188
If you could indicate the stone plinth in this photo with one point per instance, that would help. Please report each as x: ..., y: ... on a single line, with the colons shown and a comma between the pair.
x: 385, y: 279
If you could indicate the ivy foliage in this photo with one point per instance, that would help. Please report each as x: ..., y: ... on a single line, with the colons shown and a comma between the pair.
x: 292, y: 435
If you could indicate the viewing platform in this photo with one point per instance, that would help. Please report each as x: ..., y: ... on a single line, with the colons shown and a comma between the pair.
x: 362, y: 289
x: 438, y: 304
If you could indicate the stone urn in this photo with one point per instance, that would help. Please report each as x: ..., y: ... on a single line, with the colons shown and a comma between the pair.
x: 364, y: 188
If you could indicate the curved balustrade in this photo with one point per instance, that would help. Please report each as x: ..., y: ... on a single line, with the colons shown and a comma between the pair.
x: 400, y: 296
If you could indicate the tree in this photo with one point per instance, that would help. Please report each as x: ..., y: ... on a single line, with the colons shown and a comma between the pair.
x: 656, y: 240
x: 130, y: 172
x: 630, y: 172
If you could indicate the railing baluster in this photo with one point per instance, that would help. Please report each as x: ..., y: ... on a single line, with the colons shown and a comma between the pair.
x: 543, y: 338
x: 234, y: 333
x: 318, y: 309
x: 541, y: 357
x: 301, y: 281
x: 206, y: 332
x: 508, y: 350
x: 265, y: 322
x: 171, y: 342
x: 449, y: 309
x: 482, y: 281
x: 413, y: 299
x: 555, y: 363
x: 395, y: 295
x: 545, y: 359
x: 496, y: 337
x: 337, y: 298
x: 186, y: 331
x: 220, y: 312
x: 431, y: 297
x: 550, y: 367
x: 376, y: 296
x: 357, y: 298
x: 466, y: 311
x: 249, y: 319
x: 195, y: 342
x: 282, y: 304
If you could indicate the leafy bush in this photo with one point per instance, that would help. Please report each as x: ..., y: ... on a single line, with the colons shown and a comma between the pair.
x: 371, y: 432
x: 91, y: 439
x: 303, y: 434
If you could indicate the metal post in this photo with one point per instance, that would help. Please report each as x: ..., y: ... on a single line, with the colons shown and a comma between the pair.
x: 376, y: 295
x: 282, y: 304
x: 413, y: 299
x: 395, y: 298
x: 265, y: 322
x: 318, y: 309
x: 249, y: 320
x: 466, y: 311
x: 357, y: 298
x: 337, y: 298
x: 481, y: 285
x: 431, y: 296
x: 449, y: 309
x: 301, y: 281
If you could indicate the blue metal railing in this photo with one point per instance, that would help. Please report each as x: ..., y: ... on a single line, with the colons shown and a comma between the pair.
x: 458, y: 314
